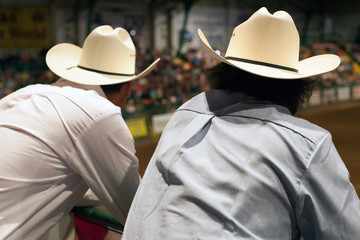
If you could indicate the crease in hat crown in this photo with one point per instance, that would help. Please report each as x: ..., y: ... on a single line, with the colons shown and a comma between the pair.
x: 266, y: 39
x: 108, y: 56
x: 109, y: 50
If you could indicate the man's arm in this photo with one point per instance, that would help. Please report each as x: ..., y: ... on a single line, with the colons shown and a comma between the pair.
x: 328, y: 206
x: 107, y: 163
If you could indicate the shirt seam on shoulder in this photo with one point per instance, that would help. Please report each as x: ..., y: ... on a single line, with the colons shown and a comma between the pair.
x: 191, y: 110
x: 307, y: 167
x: 260, y: 119
x: 77, y: 138
x: 97, y: 119
x: 315, y: 150
x: 278, y: 124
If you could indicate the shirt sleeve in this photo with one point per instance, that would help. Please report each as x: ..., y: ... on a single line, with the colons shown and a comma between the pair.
x: 105, y: 159
x: 328, y: 206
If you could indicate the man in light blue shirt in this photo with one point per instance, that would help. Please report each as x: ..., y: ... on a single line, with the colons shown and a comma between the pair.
x: 234, y: 163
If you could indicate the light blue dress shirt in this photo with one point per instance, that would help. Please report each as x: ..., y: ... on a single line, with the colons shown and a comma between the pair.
x: 230, y: 167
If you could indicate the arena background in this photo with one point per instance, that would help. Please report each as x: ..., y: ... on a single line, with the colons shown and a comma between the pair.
x: 167, y: 29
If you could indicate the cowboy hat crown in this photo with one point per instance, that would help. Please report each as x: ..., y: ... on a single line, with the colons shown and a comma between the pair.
x: 108, y: 56
x: 269, y: 45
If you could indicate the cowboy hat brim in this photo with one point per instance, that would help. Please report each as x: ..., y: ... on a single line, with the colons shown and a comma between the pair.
x: 306, y: 68
x: 63, y: 60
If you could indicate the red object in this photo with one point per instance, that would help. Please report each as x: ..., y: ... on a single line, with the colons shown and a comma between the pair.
x: 87, y: 230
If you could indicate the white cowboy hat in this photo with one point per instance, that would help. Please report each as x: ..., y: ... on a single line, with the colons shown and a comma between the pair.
x: 268, y: 45
x: 108, y: 57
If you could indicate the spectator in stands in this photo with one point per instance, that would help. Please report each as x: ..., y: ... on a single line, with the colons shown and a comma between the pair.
x: 59, y: 140
x: 234, y: 163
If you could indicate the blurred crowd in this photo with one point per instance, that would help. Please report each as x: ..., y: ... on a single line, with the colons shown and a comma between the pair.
x: 19, y: 70
x: 174, y: 80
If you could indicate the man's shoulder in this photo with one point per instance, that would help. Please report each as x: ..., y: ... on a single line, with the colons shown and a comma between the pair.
x: 223, y: 105
x: 88, y: 101
x: 72, y: 99
x: 197, y: 103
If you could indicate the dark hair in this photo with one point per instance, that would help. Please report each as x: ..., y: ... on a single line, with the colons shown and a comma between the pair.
x: 289, y: 93
x: 111, y: 88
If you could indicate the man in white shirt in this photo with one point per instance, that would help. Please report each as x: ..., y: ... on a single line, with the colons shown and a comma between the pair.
x: 59, y: 140
x: 234, y: 163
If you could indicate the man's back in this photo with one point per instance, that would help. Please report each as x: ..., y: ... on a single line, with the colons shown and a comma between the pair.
x: 45, y: 166
x: 230, y: 167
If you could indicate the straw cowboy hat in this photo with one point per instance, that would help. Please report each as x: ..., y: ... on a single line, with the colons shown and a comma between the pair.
x: 268, y: 45
x: 108, y: 57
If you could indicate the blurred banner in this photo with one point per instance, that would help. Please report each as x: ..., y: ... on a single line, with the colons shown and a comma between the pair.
x: 159, y: 121
x: 137, y: 126
x: 25, y: 27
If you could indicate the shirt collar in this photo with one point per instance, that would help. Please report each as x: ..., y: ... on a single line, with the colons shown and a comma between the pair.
x: 222, y: 102
x: 63, y: 82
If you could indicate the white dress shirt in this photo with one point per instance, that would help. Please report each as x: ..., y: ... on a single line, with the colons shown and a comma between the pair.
x: 230, y: 167
x: 56, y: 142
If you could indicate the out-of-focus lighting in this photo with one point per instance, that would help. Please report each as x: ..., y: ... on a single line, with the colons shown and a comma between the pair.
x: 132, y: 32
x: 218, y: 52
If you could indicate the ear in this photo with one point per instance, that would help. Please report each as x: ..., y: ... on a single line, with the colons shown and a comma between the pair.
x: 125, y: 89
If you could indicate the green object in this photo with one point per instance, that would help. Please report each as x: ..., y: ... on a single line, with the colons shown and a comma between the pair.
x: 99, y: 217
